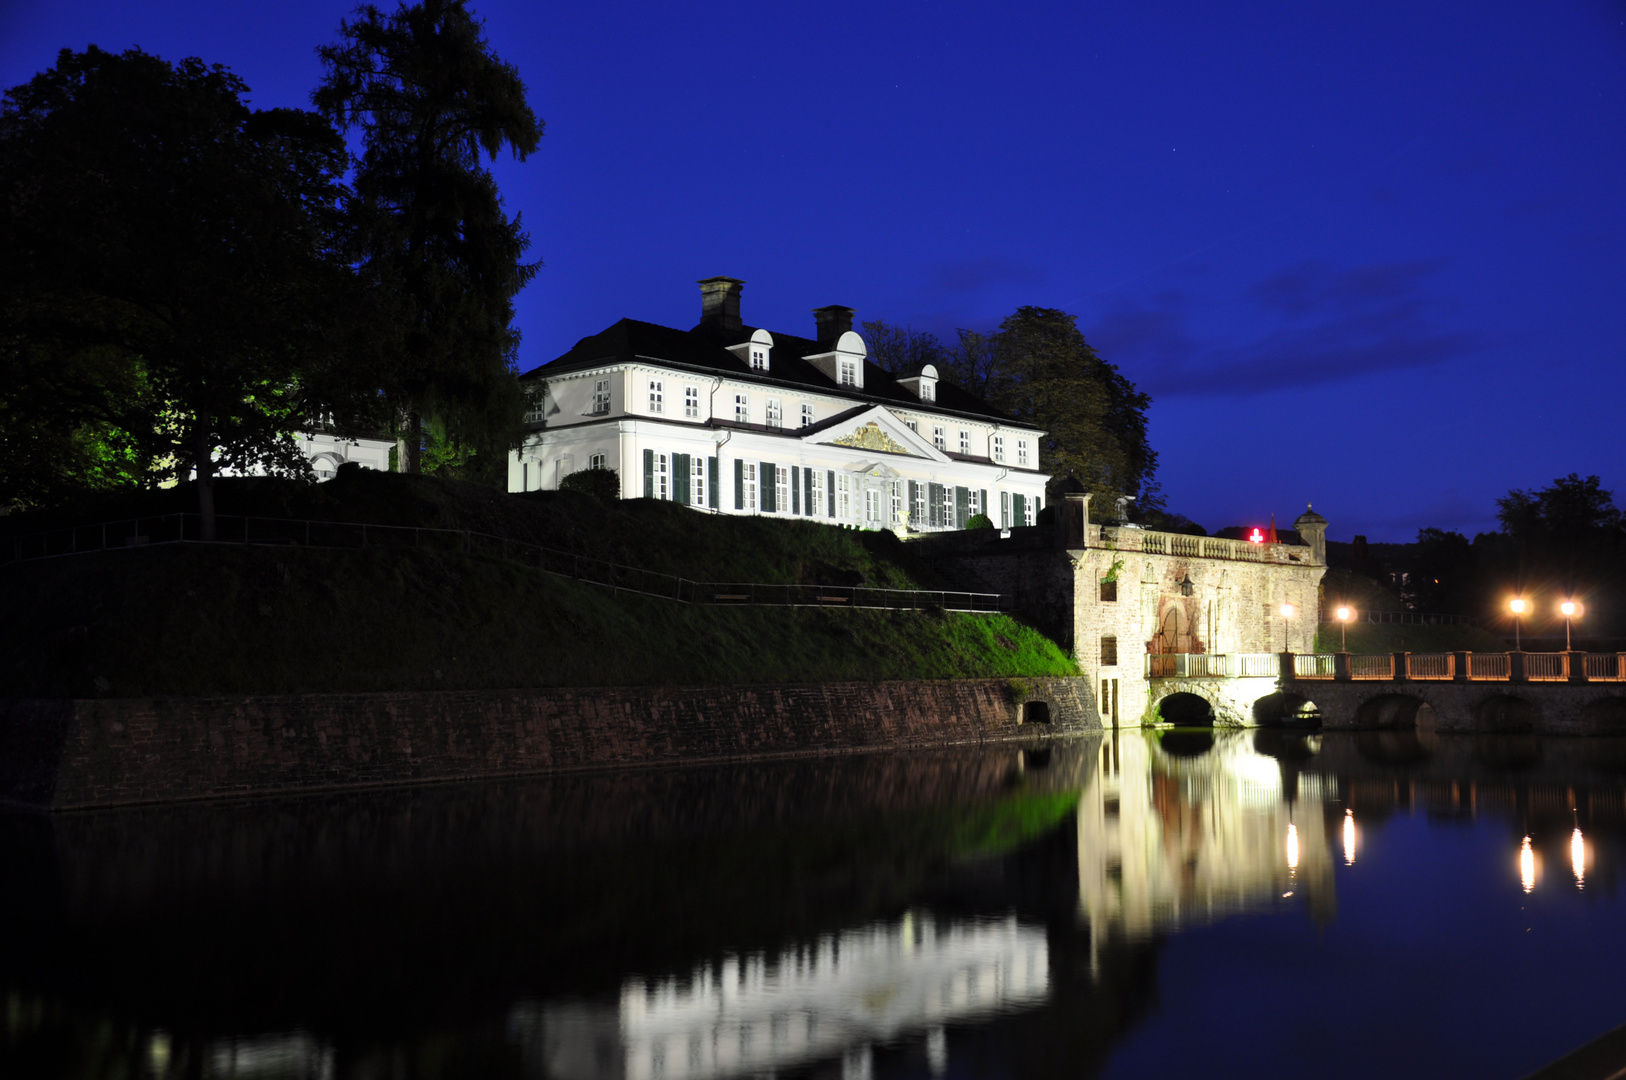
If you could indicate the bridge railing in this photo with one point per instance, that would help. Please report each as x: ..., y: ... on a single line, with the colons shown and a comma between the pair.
x: 1516, y: 667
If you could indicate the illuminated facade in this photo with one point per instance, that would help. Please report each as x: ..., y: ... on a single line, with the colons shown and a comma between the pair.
x: 731, y: 419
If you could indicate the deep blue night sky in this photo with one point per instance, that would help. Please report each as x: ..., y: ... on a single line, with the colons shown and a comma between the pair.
x: 1371, y: 255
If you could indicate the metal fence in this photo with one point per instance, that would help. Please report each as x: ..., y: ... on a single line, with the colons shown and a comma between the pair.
x: 144, y: 532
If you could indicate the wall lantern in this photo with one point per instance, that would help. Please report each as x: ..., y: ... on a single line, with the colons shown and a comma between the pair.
x: 1186, y: 586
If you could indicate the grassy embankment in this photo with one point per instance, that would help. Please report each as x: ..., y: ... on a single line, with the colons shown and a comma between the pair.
x: 196, y: 619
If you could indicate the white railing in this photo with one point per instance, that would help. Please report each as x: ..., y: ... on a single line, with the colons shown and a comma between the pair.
x: 1187, y: 666
x: 1314, y: 665
x: 1251, y: 665
x: 1196, y: 547
x: 1372, y: 666
x: 1546, y: 666
x: 1431, y: 666
x: 1489, y: 667
x: 1603, y: 667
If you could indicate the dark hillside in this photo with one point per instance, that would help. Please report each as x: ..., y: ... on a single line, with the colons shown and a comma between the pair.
x: 198, y: 619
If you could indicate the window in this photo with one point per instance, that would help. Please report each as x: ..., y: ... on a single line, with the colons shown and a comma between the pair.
x: 939, y: 439
x: 775, y: 413
x: 1027, y: 510
x: 844, y: 496
x: 536, y: 406
x: 759, y: 360
x: 913, y: 426
x: 1109, y: 591
x: 1022, y: 452
x: 657, y: 396
x: 742, y: 409
x: 749, y: 486
x: 807, y: 415
x: 849, y: 373
x: 601, y: 397
x: 781, y: 488
x: 1004, y: 509
x: 1109, y: 650
x: 597, y: 461
x: 999, y: 448
x: 897, y: 502
x: 691, y: 402
x: 974, y: 501
x: 917, y: 508
x: 563, y: 466
x: 965, y: 442
x: 947, y: 514
x: 697, y: 480
x: 660, y: 477
x: 814, y: 494
x: 928, y: 392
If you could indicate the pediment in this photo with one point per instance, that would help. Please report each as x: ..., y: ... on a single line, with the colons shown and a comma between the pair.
x: 878, y: 430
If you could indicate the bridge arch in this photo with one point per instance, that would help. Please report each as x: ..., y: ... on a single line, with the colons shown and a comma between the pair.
x: 1186, y: 709
x: 1605, y: 716
x: 1506, y: 713
x: 1396, y: 712
x: 1286, y: 709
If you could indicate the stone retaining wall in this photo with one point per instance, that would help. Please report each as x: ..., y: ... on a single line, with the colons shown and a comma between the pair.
x: 84, y: 753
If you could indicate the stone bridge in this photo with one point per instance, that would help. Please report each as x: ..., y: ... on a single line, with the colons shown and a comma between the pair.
x: 1517, y: 692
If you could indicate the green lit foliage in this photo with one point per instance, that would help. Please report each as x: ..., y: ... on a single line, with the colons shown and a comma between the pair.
x: 979, y: 521
x: 599, y: 483
x: 173, y: 275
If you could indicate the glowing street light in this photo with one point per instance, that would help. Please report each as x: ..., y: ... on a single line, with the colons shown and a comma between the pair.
x: 1578, y: 857
x: 1571, y: 610
x: 1287, y: 613
x: 1527, y: 866
x: 1519, y: 608
x: 1349, y: 838
x: 1344, y: 615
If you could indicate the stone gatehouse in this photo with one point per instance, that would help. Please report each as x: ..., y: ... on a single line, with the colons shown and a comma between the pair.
x: 1134, y: 604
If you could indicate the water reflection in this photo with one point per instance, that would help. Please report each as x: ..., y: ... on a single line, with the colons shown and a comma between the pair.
x: 833, y: 998
x: 960, y: 913
x: 1167, y: 841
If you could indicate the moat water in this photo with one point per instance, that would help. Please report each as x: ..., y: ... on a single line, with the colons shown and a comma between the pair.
x: 1147, y: 904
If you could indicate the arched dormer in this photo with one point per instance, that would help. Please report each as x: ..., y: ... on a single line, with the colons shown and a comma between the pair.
x: 757, y: 353
x: 844, y: 364
x: 923, y: 384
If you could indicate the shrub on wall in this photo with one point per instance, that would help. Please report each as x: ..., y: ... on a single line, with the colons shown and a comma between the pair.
x: 599, y: 483
x: 979, y: 521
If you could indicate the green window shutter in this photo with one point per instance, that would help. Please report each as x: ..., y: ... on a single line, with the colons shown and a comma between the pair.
x: 962, y: 506
x: 830, y: 479
x: 1018, y: 511
x: 934, y: 496
x: 795, y: 493
x: 766, y: 479
x: 680, y: 478
x: 988, y: 511
x: 807, y: 490
x: 914, y: 495
x: 711, y: 482
x: 649, y: 474
x: 739, y: 484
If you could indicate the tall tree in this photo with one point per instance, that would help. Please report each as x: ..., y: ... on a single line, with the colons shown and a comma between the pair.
x: 1043, y: 372
x: 431, y: 98
x: 174, y: 251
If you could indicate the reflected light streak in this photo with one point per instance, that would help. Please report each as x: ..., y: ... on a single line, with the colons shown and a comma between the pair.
x: 1578, y: 858
x: 1292, y: 846
x: 1527, y: 866
x: 1349, y: 838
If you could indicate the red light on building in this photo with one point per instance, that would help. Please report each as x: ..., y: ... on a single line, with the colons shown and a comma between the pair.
x: 1256, y: 537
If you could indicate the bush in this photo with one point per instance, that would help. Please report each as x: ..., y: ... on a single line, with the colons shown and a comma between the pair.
x: 979, y: 521
x: 599, y: 483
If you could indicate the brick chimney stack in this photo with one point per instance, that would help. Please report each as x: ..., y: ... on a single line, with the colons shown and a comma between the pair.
x: 833, y: 321
x: 720, y: 306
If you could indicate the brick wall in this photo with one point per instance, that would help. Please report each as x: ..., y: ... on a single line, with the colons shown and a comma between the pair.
x: 67, y: 754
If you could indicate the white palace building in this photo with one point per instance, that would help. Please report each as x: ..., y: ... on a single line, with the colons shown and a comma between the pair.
x: 732, y: 419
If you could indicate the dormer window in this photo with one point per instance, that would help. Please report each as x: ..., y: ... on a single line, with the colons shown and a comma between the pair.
x: 757, y: 352
x: 849, y: 373
x: 928, y: 392
x: 922, y: 385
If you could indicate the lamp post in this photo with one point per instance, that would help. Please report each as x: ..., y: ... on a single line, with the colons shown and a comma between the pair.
x: 1344, y: 615
x: 1518, y: 605
x: 1569, y: 608
x: 1287, y: 613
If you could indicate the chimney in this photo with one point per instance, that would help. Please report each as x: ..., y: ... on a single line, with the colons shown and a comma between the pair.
x: 720, y: 306
x: 833, y: 321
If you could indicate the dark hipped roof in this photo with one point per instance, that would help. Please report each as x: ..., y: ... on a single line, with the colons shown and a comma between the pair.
x: 701, y: 350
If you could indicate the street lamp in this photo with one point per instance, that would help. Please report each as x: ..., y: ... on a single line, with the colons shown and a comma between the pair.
x: 1570, y: 609
x: 1344, y: 615
x: 1518, y: 605
x: 1287, y: 613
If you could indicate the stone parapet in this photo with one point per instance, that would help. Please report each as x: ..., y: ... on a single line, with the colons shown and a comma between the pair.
x: 69, y: 754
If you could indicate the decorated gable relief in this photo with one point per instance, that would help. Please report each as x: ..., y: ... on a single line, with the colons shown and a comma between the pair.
x: 871, y: 437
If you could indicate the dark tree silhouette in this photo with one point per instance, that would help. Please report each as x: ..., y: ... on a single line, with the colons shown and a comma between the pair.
x: 430, y: 98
